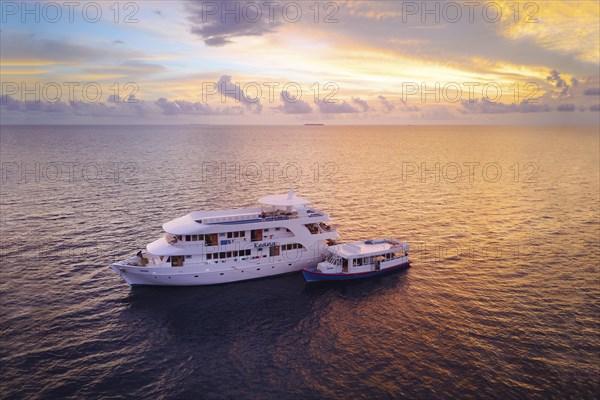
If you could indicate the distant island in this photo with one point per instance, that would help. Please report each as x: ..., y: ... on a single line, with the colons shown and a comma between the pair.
x: 314, y: 124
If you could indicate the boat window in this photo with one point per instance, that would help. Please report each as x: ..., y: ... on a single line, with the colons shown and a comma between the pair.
x: 211, y: 239
x: 312, y: 228
x: 228, y: 254
x: 209, y: 256
x: 177, y: 261
x: 334, y: 259
x: 358, y: 262
x: 188, y: 238
x: 274, y: 251
x: 292, y: 246
x: 256, y: 235
x: 222, y: 254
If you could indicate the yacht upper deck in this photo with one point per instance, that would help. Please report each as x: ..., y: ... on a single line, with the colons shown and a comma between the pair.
x: 274, y: 208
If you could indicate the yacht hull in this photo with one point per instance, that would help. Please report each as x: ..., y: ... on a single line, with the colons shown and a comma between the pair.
x: 195, y: 276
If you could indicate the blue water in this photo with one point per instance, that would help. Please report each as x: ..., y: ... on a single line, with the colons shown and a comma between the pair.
x: 501, y: 301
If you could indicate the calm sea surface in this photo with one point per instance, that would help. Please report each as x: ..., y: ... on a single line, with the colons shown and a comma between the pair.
x: 502, y: 299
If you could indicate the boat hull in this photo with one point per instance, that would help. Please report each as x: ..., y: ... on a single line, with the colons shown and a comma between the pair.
x: 190, y: 276
x: 313, y: 275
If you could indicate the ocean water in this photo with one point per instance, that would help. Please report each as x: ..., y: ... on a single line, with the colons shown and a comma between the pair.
x: 502, y: 299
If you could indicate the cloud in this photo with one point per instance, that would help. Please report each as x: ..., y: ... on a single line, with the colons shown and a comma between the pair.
x: 25, y: 47
x: 564, y: 27
x: 484, y: 106
x: 292, y: 105
x: 566, y: 107
x: 178, y: 107
x: 132, y: 68
x: 560, y: 83
x: 118, y: 42
x: 115, y: 107
x: 406, y: 107
x: 592, y: 92
x: 387, y: 106
x: 218, y: 22
x: 336, y: 108
x: 78, y: 108
x: 233, y: 90
x: 373, y: 10
x: 437, y: 113
x: 361, y: 103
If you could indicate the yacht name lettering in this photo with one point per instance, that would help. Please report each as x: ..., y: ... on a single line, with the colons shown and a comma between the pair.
x: 266, y: 244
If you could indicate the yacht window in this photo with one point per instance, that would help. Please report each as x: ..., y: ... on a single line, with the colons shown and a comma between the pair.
x: 274, y: 251
x: 194, y: 238
x: 188, y: 238
x: 228, y: 254
x: 248, y: 252
x: 209, y: 256
x: 256, y: 235
x: 235, y: 253
x: 222, y: 254
x: 211, y: 239
x: 242, y: 233
x: 188, y: 257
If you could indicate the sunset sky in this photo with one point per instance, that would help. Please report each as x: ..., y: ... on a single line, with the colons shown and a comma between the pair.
x: 353, y: 62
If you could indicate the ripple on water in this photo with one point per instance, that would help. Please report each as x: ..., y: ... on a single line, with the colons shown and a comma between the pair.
x: 501, y: 300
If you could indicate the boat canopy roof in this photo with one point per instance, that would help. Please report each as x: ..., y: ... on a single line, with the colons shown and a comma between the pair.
x: 368, y: 248
x: 284, y: 200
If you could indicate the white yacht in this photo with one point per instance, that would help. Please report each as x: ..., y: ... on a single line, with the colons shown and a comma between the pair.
x: 283, y: 235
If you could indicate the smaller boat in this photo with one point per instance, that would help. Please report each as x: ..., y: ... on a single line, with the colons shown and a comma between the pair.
x: 359, y: 260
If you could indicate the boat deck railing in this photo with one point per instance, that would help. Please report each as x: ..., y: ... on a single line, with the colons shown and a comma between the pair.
x: 259, y: 217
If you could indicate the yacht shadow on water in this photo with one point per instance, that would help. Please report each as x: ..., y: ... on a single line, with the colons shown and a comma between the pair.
x: 193, y: 312
x: 261, y: 309
x: 218, y: 336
